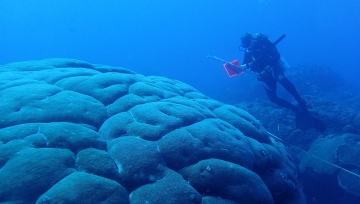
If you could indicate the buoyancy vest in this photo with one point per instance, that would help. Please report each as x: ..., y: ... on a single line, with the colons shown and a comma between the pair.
x: 261, y: 54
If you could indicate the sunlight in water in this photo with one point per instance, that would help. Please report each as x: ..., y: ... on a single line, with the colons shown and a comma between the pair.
x: 261, y: 2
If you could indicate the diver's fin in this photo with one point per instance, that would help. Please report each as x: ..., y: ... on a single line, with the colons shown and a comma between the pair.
x: 319, y: 125
x: 304, y: 120
x: 231, y: 71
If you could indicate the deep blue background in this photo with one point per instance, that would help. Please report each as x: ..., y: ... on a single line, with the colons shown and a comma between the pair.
x: 172, y: 38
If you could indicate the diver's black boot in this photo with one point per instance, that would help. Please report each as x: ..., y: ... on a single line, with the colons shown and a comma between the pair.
x: 304, y: 120
x: 302, y: 105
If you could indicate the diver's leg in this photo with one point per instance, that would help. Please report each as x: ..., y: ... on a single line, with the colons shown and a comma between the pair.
x: 270, y: 89
x: 304, y: 120
x: 286, y: 83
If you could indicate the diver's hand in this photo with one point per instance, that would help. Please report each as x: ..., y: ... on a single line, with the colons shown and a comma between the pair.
x: 232, y: 66
x: 242, y: 67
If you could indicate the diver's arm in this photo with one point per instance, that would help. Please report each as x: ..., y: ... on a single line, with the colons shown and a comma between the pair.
x: 247, y: 61
x: 244, y: 65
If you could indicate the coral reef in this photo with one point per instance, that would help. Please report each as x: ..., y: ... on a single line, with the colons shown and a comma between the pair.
x: 74, y: 132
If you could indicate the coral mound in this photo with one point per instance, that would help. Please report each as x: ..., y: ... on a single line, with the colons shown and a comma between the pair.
x: 74, y: 132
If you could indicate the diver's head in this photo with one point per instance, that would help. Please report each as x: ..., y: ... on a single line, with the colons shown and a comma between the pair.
x: 246, y: 40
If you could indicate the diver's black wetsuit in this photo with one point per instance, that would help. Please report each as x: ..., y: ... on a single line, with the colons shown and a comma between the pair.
x: 263, y: 58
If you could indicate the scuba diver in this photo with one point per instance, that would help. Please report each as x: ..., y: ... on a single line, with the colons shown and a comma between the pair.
x: 263, y: 58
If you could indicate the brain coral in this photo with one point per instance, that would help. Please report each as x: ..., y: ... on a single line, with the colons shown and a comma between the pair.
x: 74, y: 132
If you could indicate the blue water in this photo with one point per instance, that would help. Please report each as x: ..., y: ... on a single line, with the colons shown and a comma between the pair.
x: 173, y: 38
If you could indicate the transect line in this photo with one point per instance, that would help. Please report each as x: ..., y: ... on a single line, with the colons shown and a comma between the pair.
x: 313, y: 155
